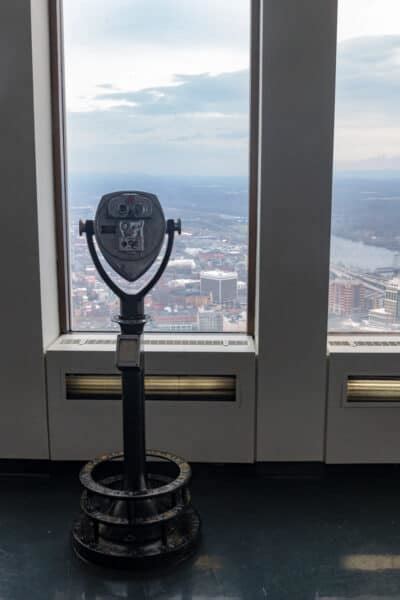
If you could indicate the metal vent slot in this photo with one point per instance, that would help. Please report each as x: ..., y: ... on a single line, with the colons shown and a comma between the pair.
x: 174, y: 342
x: 158, y: 342
x: 377, y: 343
x: 99, y: 341
x: 366, y: 343
x: 373, y: 389
x: 157, y: 387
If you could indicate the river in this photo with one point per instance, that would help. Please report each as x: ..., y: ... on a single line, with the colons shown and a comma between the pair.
x: 360, y: 255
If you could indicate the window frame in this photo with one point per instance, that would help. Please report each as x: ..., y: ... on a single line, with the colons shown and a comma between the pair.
x: 293, y: 84
x: 294, y: 368
x: 60, y: 163
x: 59, y: 158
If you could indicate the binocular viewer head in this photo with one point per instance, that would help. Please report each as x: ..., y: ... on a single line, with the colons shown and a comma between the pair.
x: 134, y: 205
x: 129, y: 229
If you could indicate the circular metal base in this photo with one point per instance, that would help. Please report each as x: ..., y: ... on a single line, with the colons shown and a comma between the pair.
x: 138, y: 530
x: 181, y: 545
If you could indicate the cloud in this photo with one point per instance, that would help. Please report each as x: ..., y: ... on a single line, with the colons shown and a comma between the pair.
x: 197, y: 127
x: 226, y: 93
x: 367, y: 119
x: 233, y: 135
x: 368, y: 80
x: 175, y: 22
x: 373, y: 163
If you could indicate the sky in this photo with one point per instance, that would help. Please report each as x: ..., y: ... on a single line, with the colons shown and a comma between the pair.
x: 367, y: 121
x: 157, y: 86
x: 162, y: 86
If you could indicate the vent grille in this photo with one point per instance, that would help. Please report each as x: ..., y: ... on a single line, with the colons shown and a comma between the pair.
x: 365, y: 343
x: 157, y: 387
x: 96, y: 341
x: 373, y: 389
x: 82, y: 341
x: 376, y: 343
x: 157, y: 342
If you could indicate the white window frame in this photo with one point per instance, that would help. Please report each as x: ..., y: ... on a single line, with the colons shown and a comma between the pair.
x: 296, y: 61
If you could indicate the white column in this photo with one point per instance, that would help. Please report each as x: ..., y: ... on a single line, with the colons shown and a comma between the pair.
x: 297, y: 108
x: 23, y: 415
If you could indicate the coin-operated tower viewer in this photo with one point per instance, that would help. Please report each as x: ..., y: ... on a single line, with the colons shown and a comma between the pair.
x: 133, y: 514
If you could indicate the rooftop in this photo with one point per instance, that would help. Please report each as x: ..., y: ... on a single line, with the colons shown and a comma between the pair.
x: 219, y: 274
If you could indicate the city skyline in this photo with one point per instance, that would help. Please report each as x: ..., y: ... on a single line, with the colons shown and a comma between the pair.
x: 204, y: 287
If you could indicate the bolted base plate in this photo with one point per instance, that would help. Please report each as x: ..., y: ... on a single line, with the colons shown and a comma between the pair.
x: 180, y: 545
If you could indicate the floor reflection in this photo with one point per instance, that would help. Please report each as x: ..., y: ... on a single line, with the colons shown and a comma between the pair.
x: 333, y: 538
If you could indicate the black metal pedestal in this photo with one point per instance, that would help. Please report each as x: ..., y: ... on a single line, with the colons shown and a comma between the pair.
x: 138, y: 530
x: 134, y: 515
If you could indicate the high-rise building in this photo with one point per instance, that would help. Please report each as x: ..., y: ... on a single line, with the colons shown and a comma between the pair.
x: 346, y: 297
x: 389, y: 314
x: 221, y: 285
x: 378, y: 318
x: 392, y: 299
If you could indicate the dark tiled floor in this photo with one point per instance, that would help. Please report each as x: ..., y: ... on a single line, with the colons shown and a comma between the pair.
x: 337, y: 537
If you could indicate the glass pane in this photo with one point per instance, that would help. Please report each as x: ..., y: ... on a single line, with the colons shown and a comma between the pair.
x: 365, y: 246
x: 157, y: 99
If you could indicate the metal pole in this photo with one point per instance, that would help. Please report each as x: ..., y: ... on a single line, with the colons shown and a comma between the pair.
x: 134, y: 429
x: 132, y: 322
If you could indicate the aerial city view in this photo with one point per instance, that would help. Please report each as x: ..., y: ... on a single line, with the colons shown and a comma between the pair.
x: 205, y: 285
x: 364, y: 287
x: 162, y: 106
x: 364, y: 290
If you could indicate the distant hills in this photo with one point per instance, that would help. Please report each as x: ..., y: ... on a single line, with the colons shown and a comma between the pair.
x: 366, y: 205
x: 228, y: 195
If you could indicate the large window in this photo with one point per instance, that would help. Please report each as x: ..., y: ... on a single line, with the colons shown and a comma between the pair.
x: 157, y: 99
x: 364, y: 290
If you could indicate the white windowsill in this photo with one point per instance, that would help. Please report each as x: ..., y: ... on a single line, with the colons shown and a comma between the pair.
x: 364, y: 343
x: 347, y: 343
x: 157, y: 342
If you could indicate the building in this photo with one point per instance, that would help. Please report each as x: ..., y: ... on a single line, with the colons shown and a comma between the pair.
x: 220, y: 284
x: 378, y: 318
x: 346, y: 297
x: 242, y: 290
x: 182, y: 264
x: 210, y: 320
x: 193, y: 298
x: 389, y: 314
x: 392, y: 299
x: 182, y: 320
